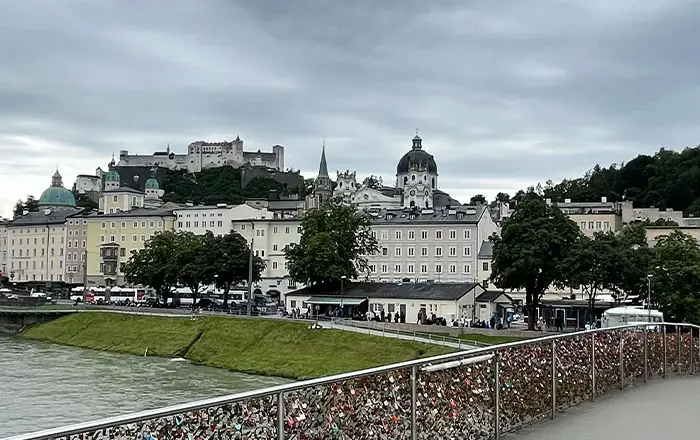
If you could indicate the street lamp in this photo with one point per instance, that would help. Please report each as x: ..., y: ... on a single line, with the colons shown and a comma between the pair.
x: 342, y: 282
x: 649, y: 276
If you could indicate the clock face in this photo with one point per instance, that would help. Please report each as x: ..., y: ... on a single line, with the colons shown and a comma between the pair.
x: 413, y: 192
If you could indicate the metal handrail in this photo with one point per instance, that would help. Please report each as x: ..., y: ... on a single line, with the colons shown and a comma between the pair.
x: 294, y: 386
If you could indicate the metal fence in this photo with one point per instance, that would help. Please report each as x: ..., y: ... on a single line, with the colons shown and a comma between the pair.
x: 479, y: 394
x: 379, y: 328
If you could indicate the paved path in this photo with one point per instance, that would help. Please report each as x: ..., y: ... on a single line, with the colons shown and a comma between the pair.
x: 661, y: 409
x: 366, y: 331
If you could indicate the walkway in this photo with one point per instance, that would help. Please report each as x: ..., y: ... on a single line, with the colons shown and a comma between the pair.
x: 406, y: 337
x: 663, y: 408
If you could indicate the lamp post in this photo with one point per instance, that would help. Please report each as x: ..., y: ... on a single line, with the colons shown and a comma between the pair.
x: 342, y: 282
x: 250, y: 266
x: 649, y: 276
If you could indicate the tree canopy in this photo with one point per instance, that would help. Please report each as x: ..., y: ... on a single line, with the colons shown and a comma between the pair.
x: 217, y: 185
x: 667, y: 179
x: 172, y: 259
x: 675, y: 277
x: 529, y: 253
x: 335, y: 240
x: 29, y: 205
x: 478, y: 199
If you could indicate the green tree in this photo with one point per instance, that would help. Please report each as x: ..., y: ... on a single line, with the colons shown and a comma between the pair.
x: 593, y: 264
x: 154, y: 265
x: 30, y: 205
x: 191, y: 257
x: 83, y: 201
x: 478, y: 199
x: 228, y: 260
x: 335, y: 240
x: 634, y: 253
x: 372, y: 182
x: 675, y: 269
x: 530, y: 251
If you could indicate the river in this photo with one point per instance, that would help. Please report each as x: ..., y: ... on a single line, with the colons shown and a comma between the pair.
x: 44, y: 386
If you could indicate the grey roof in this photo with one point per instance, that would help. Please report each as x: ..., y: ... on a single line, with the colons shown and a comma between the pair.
x: 139, y: 212
x: 492, y: 295
x: 486, y: 250
x: 458, y: 215
x: 442, y: 199
x: 323, y: 167
x: 417, y: 291
x: 55, y: 217
x: 124, y: 189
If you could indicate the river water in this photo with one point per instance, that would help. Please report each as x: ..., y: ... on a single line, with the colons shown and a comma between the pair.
x: 45, y: 386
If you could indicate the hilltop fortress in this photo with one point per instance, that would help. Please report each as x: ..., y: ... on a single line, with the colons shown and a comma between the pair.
x: 201, y: 155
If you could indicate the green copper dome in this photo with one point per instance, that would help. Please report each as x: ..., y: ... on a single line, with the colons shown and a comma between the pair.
x: 112, y: 176
x: 152, y: 183
x: 56, y: 195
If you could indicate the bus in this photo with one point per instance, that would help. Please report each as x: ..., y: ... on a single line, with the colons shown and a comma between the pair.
x: 630, y: 315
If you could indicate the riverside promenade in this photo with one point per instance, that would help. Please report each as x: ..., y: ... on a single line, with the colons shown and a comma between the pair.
x: 625, y: 383
x: 658, y: 410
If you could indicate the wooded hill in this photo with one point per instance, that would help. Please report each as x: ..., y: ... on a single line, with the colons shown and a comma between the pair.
x: 668, y: 179
x: 219, y: 185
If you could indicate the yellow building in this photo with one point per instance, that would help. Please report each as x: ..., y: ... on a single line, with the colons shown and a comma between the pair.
x: 112, y: 238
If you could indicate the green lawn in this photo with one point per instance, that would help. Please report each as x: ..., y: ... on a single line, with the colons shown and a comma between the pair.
x: 261, y: 346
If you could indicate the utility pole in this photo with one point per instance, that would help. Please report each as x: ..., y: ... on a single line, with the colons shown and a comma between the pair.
x: 85, y: 257
x: 250, y: 266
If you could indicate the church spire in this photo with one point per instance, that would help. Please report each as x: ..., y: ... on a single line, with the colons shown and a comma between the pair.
x: 323, y: 168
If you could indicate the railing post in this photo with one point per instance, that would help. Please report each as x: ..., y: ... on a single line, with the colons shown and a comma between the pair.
x: 414, y: 402
x: 678, y: 343
x: 622, y: 360
x: 692, y: 361
x: 646, y: 354
x: 280, y: 416
x: 497, y: 396
x: 665, y: 351
x: 554, y: 379
x: 593, y: 391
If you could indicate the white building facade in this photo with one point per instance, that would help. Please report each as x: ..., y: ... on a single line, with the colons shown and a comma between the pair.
x: 439, y: 245
x: 215, y: 218
x: 201, y: 155
x: 3, y: 248
x: 269, y: 237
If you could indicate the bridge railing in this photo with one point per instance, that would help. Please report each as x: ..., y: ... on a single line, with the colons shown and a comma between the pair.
x: 478, y: 394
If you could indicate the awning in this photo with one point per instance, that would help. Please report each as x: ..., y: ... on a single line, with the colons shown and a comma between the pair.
x: 335, y: 301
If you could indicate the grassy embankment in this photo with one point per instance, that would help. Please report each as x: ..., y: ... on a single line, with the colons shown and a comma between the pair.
x: 266, y: 347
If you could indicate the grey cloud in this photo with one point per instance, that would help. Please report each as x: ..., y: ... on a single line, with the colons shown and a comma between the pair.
x: 513, y: 93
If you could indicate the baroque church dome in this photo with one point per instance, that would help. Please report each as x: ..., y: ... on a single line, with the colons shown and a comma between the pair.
x: 56, y: 195
x: 417, y: 159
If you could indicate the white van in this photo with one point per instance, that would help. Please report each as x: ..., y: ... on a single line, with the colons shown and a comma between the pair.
x: 630, y: 315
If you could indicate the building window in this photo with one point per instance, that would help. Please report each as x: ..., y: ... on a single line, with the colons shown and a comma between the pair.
x: 152, y: 224
x: 424, y: 235
x: 385, y: 251
x: 102, y: 238
x: 423, y: 268
x: 467, y: 269
x: 606, y: 225
x: 286, y: 229
x: 160, y: 223
x: 438, y: 268
x: 275, y: 230
x: 453, y: 251
x: 143, y: 238
x: 598, y: 225
x: 179, y: 224
x: 438, y: 251
x: 112, y: 225
x: 196, y: 224
x: 135, y: 238
x: 467, y: 251
x: 424, y: 251
x: 104, y: 225
x: 143, y: 224
x: 298, y: 229
x: 115, y: 198
x: 220, y: 223
x: 453, y: 235
x: 385, y: 268
x: 438, y: 235
x: 397, y: 268
x: 411, y: 235
x: 397, y: 251
x: 372, y: 268
x: 274, y: 248
x: 467, y: 234
x: 397, y: 235
x: 274, y: 265
x: 590, y: 225
x: 485, y: 266
x: 385, y: 234
x: 123, y: 238
x: 583, y: 225
x: 411, y: 251
x: 453, y: 268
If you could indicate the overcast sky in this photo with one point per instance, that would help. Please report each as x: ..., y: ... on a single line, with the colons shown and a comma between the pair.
x: 505, y: 93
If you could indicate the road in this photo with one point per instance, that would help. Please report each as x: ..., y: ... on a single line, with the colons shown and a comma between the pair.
x: 661, y: 409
